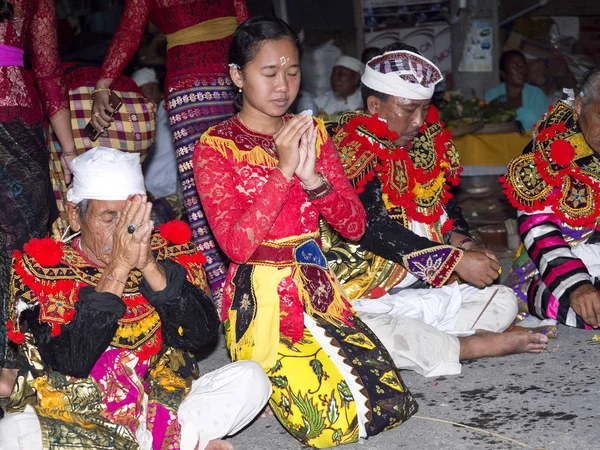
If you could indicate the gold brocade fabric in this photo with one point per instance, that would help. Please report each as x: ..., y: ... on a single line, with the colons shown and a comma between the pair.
x: 359, y: 271
x: 362, y: 273
x: 534, y: 180
x: 414, y: 178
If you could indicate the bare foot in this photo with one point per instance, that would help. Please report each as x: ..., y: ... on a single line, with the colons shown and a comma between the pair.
x: 266, y: 412
x: 485, y: 343
x: 219, y: 444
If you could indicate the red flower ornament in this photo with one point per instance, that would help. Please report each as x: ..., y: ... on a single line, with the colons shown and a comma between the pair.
x: 46, y: 252
x: 176, y: 231
x: 562, y: 152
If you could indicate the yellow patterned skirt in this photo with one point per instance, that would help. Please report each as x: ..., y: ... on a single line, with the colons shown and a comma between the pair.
x: 333, y: 381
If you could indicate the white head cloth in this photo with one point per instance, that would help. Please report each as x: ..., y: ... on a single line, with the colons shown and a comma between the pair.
x: 144, y: 76
x: 104, y: 173
x: 402, y: 74
x: 350, y: 63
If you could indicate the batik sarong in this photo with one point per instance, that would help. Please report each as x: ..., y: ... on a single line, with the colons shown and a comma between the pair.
x: 333, y: 381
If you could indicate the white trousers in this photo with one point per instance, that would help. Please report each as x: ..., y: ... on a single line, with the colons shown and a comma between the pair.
x: 219, y: 404
x: 423, y: 347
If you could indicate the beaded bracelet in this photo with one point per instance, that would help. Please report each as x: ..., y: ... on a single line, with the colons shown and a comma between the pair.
x: 95, y: 91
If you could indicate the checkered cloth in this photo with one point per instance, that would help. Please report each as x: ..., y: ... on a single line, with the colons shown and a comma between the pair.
x: 132, y: 130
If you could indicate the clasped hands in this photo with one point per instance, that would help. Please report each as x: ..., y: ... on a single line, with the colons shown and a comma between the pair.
x: 296, y: 145
x: 132, y: 250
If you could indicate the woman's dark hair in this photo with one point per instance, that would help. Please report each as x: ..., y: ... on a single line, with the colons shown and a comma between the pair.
x: 366, y: 91
x: 6, y: 11
x: 504, y: 60
x: 248, y: 38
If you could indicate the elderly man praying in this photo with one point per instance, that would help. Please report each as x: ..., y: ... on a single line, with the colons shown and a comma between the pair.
x: 107, y: 326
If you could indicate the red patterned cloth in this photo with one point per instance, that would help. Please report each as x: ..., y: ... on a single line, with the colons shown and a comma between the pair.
x: 34, y: 24
x: 171, y: 16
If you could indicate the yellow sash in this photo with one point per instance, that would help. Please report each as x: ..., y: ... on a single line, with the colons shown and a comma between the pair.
x: 209, y: 30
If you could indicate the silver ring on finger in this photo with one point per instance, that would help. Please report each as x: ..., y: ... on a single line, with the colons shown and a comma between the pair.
x: 132, y: 227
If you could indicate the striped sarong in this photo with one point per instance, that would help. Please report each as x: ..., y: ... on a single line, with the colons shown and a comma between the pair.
x: 191, y: 112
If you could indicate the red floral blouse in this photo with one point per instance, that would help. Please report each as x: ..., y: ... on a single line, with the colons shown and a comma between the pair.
x: 34, y: 23
x: 171, y: 16
x: 247, y: 200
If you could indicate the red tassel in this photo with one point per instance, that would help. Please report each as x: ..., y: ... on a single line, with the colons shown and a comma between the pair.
x: 55, y: 329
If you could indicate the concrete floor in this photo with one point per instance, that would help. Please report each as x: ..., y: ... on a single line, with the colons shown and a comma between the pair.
x: 546, y: 401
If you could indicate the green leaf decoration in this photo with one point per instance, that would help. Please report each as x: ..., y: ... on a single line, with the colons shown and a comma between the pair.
x: 314, y: 423
x: 305, y: 341
x: 285, y: 402
x: 332, y: 410
x: 276, y: 367
x: 289, y: 345
x: 317, y: 368
x: 337, y: 436
x: 345, y: 392
x: 280, y: 382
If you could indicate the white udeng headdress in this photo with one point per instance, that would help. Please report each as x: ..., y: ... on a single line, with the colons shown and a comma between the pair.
x: 402, y: 74
x: 350, y: 63
x: 104, y: 173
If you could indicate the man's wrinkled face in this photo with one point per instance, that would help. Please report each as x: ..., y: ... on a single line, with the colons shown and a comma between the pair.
x: 98, y: 227
x: 404, y: 116
x: 344, y: 81
x: 589, y: 121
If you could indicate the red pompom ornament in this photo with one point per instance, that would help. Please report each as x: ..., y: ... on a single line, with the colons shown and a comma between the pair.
x: 432, y: 115
x: 176, y: 232
x: 448, y: 226
x: 562, y: 152
x: 15, y: 336
x: 46, y: 252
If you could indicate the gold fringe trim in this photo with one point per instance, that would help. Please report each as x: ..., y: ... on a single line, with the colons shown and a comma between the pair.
x: 257, y: 156
x: 322, y: 134
x: 227, y: 148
